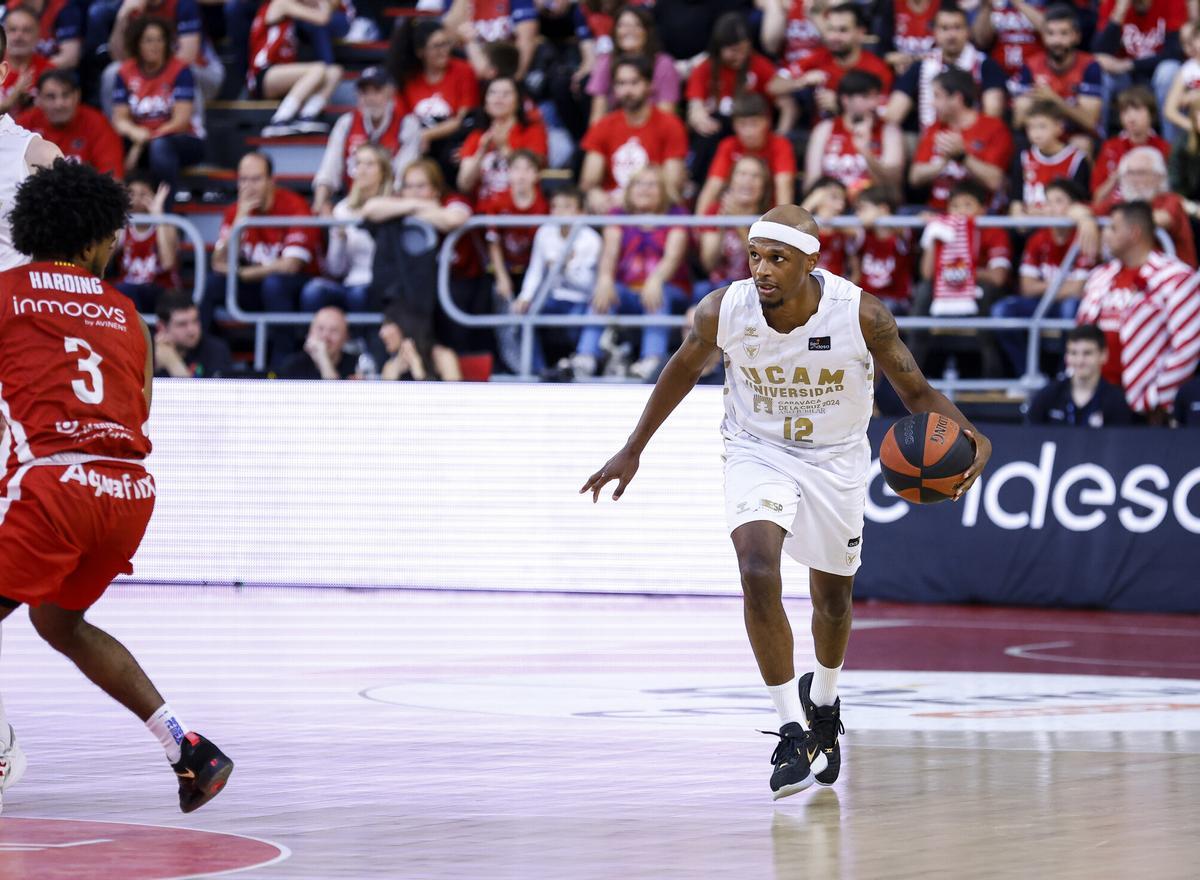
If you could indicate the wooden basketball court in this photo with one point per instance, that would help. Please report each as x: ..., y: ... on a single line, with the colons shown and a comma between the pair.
x: 449, y: 735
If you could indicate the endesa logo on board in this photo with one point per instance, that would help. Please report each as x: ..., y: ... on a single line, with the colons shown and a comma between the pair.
x: 1080, y: 498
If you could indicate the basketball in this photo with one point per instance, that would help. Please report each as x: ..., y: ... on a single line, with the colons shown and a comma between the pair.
x: 923, y: 456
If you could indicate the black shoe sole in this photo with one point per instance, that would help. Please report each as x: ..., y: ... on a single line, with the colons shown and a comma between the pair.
x: 210, y: 783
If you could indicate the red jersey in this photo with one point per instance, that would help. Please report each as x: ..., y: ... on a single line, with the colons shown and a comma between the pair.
x: 1078, y: 79
x: 358, y: 135
x: 1016, y: 37
x: 990, y: 248
x: 833, y: 251
x: 152, y: 99
x: 987, y: 139
x: 913, y: 31
x: 1039, y: 170
x: 802, y: 37
x: 261, y: 245
x: 842, y: 160
x: 778, y: 154
x: 1143, y: 34
x: 270, y: 44
x: 139, y: 259
x: 493, y: 172
x: 87, y: 138
x: 1044, y: 255
x: 628, y: 149
x: 732, y: 262
x: 496, y: 20
x: 72, y: 366
x: 36, y: 67
x: 885, y: 264
x: 759, y: 72
x: 432, y: 103
x: 1111, y: 152
x: 516, y: 241
x: 824, y: 61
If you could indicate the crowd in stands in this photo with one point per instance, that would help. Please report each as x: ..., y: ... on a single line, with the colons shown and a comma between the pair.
x: 868, y: 112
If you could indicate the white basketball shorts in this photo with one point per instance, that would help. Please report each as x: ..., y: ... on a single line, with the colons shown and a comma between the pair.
x: 818, y: 498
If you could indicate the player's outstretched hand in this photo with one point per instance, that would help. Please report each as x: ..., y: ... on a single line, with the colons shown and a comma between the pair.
x: 983, y: 451
x: 621, y: 467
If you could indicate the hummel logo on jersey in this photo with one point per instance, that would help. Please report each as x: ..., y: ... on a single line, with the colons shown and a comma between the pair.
x: 819, y: 343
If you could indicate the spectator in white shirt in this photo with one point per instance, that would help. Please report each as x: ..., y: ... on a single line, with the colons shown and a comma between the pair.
x: 351, y: 248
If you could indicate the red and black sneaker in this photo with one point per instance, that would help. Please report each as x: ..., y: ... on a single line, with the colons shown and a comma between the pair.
x: 203, y: 771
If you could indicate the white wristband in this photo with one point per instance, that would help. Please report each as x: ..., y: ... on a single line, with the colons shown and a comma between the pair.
x: 802, y: 241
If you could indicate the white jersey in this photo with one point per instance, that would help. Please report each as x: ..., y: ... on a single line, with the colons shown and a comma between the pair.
x: 14, y: 141
x: 811, y: 389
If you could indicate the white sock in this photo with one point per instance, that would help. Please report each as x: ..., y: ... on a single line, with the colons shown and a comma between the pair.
x: 169, y: 730
x: 313, y: 107
x: 287, y: 109
x: 824, y: 685
x: 787, y: 702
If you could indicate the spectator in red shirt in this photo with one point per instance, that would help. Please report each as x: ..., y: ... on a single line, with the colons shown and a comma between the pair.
x: 723, y: 248
x: 634, y: 34
x: 962, y: 144
x: 1063, y: 75
x: 819, y: 75
x: 857, y: 147
x: 827, y: 199
x: 274, y: 71
x: 485, y: 155
x: 1041, y: 264
x: 1048, y: 158
x: 905, y: 31
x: 155, y: 105
x: 790, y: 29
x: 148, y: 262
x: 630, y: 138
x: 1142, y: 176
x: 991, y: 247
x: 25, y: 66
x: 732, y: 68
x: 752, y: 136
x: 81, y: 132
x: 643, y: 270
x: 273, y: 262
x: 509, y: 247
x: 880, y: 257
x: 1137, y: 112
x: 437, y: 88
x: 1009, y: 28
x: 1139, y: 44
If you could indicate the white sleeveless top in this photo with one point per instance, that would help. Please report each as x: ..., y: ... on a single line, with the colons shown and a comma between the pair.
x: 14, y: 140
x: 811, y: 389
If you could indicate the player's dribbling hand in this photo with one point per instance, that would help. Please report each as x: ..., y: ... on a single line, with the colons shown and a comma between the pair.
x: 983, y: 451
x: 621, y: 467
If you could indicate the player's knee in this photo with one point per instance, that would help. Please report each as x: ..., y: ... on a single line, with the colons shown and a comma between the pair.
x: 760, y: 577
x: 59, y: 631
x: 833, y: 600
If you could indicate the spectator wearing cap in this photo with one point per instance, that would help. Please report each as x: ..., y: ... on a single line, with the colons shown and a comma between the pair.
x: 1142, y: 177
x: 962, y: 143
x: 1081, y: 398
x: 1139, y: 45
x: 953, y: 51
x: 857, y: 146
x: 182, y: 350
x: 379, y: 119
x: 25, y: 65
x: 60, y: 33
x: 81, y: 132
x: 820, y: 73
x: 275, y: 72
x: 752, y: 136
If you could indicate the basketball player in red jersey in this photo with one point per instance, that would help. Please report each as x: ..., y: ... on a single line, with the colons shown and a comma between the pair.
x: 796, y: 462
x: 75, y: 499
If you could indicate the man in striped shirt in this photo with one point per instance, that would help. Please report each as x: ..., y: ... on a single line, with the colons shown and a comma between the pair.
x: 1148, y: 305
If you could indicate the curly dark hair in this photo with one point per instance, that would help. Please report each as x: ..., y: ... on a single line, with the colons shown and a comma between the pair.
x: 62, y: 210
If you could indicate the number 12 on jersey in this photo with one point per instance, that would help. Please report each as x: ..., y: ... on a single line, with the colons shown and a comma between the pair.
x: 797, y: 429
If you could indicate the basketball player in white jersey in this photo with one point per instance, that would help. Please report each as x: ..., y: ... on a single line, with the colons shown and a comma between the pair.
x: 21, y: 151
x: 800, y: 345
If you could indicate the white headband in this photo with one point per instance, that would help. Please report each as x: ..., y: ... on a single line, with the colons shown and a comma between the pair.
x: 802, y: 241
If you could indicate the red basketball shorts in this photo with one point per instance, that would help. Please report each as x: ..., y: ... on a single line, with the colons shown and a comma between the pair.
x: 66, y: 530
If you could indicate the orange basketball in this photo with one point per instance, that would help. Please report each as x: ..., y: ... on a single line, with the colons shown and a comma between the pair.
x: 923, y: 456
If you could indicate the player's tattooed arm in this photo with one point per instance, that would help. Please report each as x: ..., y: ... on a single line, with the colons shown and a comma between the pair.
x: 884, y: 342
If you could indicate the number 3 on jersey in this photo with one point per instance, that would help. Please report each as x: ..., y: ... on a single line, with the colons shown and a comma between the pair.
x: 93, y: 393
x: 797, y: 429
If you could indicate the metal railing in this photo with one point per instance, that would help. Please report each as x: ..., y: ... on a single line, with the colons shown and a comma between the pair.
x: 200, y: 268
x: 531, y: 320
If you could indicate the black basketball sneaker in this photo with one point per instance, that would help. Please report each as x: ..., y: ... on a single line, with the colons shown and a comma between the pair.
x: 797, y: 758
x: 825, y: 722
x: 202, y: 770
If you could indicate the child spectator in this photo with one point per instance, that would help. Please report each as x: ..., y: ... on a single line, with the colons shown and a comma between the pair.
x: 485, y: 155
x: 723, y: 248
x: 1136, y: 110
x: 182, y: 350
x: 857, y: 146
x: 25, y: 65
x: 81, y: 132
x: 509, y: 247
x: 752, y: 136
x: 880, y: 257
x: 148, y: 264
x: 633, y: 34
x: 827, y: 199
x: 274, y: 71
x: 1048, y: 158
x: 967, y: 266
x: 1061, y: 74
